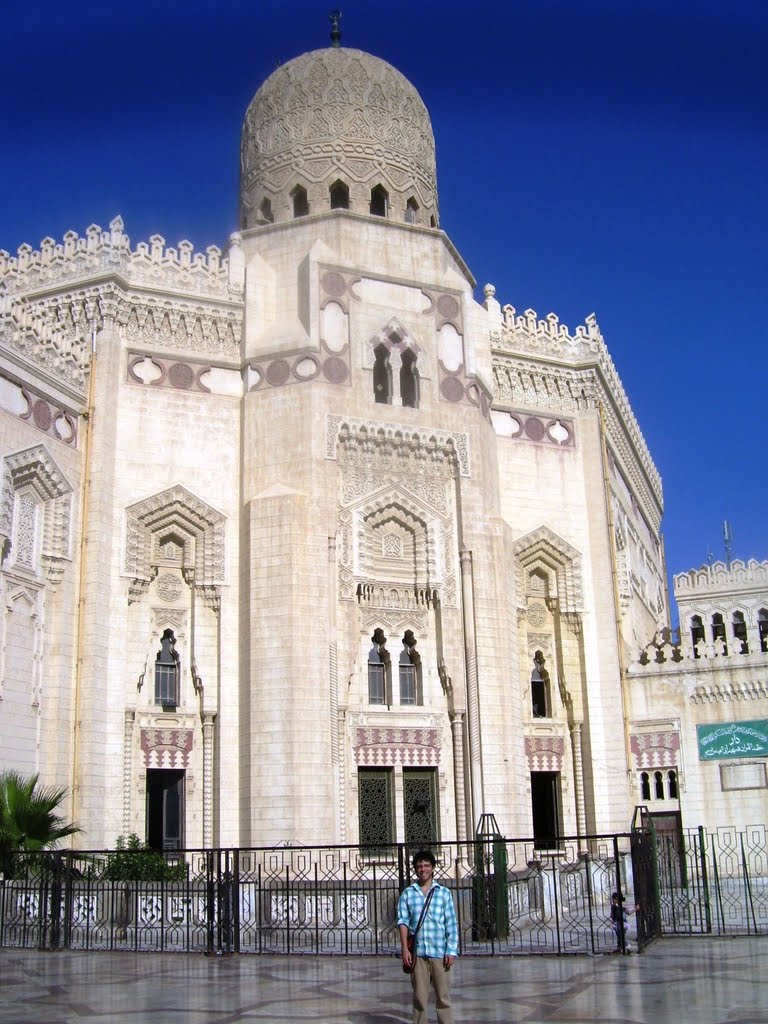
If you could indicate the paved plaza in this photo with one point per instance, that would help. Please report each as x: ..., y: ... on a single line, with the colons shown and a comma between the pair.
x: 706, y: 981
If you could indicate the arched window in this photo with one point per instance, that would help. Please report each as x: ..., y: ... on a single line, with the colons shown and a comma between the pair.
x: 432, y: 222
x: 379, y: 201
x: 411, y: 211
x: 339, y: 194
x: 167, y: 672
x: 740, y: 633
x: 300, y: 201
x: 762, y: 629
x: 378, y: 669
x: 265, y: 212
x: 697, y: 633
x: 672, y: 784
x: 409, y: 380
x: 658, y: 785
x: 540, y: 702
x: 410, y: 664
x: 718, y: 630
x: 645, y: 786
x: 382, y: 376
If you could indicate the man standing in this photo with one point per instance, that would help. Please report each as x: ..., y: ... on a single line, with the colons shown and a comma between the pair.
x: 437, y: 942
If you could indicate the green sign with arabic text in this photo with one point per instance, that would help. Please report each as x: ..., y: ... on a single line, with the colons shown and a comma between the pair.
x: 733, y: 739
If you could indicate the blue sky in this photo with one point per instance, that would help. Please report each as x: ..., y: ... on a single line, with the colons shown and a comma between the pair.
x: 605, y: 156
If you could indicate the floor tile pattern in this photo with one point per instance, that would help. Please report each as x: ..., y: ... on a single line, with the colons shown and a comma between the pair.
x: 704, y: 981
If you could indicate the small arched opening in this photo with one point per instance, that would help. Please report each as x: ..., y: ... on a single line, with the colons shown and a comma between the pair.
x: 382, y: 376
x: 339, y: 195
x: 300, y: 201
x: 379, y: 201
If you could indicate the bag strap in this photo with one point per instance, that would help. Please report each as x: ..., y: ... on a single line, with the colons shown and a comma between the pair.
x: 423, y: 913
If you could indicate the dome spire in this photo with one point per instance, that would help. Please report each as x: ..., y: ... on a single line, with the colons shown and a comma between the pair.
x: 335, y: 17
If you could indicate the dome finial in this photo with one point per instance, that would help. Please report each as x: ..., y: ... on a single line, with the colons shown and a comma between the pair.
x: 335, y: 17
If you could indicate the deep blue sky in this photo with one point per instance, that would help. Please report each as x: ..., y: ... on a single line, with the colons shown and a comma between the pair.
x: 606, y: 156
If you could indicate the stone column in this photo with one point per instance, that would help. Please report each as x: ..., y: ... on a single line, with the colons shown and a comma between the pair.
x: 473, y: 700
x: 130, y: 717
x: 457, y: 731
x: 208, y: 741
x: 578, y: 778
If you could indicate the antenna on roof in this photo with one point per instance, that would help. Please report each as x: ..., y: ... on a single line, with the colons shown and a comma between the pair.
x: 728, y: 541
x: 710, y: 557
x: 335, y: 17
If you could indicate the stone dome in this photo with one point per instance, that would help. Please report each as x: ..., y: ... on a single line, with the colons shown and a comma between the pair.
x: 337, y: 128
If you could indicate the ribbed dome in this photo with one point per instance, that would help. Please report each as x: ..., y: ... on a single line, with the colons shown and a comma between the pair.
x: 337, y: 117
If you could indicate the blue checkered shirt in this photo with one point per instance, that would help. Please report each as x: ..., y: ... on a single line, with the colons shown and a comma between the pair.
x: 439, y: 932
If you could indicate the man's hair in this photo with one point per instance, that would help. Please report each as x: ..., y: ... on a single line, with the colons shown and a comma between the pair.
x: 424, y: 855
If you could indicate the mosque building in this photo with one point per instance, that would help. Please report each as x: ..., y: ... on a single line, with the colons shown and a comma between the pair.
x: 301, y: 542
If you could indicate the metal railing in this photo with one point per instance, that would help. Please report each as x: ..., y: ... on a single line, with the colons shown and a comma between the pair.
x: 511, y: 896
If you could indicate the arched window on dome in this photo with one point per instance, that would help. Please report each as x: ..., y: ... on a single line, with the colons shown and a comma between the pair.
x: 432, y: 221
x: 412, y: 211
x: 339, y: 195
x: 409, y: 380
x: 265, y: 211
x: 697, y: 633
x: 382, y: 376
x: 300, y: 201
x: 740, y: 633
x: 379, y: 201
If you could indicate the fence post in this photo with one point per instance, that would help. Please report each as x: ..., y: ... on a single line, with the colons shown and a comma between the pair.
x: 747, y: 886
x: 704, y: 877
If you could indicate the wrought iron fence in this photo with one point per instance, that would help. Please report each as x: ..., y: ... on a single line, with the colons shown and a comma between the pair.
x: 510, y: 898
x: 714, y: 882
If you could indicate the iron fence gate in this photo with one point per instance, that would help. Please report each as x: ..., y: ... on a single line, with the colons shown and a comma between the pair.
x: 714, y: 882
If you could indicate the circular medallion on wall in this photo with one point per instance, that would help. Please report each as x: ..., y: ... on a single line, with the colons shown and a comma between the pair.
x: 534, y: 428
x: 452, y: 389
x: 278, y: 372
x: 41, y: 414
x: 305, y: 368
x: 169, y: 587
x: 181, y: 376
x: 448, y: 307
x: 333, y: 284
x: 537, y: 614
x: 335, y: 370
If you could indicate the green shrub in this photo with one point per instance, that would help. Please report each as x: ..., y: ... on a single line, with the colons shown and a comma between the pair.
x: 134, y: 861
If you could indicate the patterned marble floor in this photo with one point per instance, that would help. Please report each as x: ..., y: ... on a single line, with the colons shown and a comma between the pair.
x: 704, y: 981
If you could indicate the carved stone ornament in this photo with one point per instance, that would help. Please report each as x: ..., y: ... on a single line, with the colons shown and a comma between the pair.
x: 179, y: 514
x: 546, y: 554
x: 331, y: 115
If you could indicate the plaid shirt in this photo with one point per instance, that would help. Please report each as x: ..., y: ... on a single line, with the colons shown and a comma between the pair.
x: 439, y: 932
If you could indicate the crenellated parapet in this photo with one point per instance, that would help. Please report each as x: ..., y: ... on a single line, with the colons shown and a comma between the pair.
x: 97, y: 253
x: 721, y: 578
x: 539, y: 363
x: 56, y: 300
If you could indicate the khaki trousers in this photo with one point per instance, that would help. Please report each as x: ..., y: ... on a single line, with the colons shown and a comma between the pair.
x: 430, y: 970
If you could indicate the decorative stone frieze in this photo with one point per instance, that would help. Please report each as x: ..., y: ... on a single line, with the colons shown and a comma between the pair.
x: 419, y: 446
x: 520, y: 426
x: 166, y: 748
x: 656, y: 749
x: 413, y: 748
x: 545, y: 753
x: 308, y: 365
